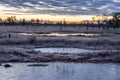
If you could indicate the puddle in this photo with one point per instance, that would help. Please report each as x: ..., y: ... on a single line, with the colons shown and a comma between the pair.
x: 67, y: 50
x: 61, y: 71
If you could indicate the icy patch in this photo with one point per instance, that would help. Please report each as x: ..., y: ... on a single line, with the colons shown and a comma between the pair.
x: 67, y: 50
x: 60, y: 34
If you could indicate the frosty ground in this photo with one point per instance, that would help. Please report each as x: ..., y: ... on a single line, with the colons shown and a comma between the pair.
x: 17, y: 43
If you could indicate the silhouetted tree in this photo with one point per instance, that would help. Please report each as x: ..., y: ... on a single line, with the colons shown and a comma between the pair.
x: 22, y: 21
x: 37, y: 21
x: 11, y: 20
x: 87, y: 24
x: 32, y: 22
x: 93, y: 20
x: 116, y: 19
x: 0, y: 21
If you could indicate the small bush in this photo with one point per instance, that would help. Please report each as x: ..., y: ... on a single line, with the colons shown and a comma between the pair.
x: 19, y: 54
x: 32, y: 39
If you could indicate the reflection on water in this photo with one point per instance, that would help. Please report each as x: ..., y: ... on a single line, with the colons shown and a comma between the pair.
x: 61, y: 34
x: 67, y: 50
x: 61, y: 71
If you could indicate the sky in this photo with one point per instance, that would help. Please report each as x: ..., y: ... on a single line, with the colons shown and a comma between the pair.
x: 58, y: 9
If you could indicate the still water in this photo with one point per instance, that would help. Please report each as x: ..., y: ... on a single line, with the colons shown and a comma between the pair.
x: 67, y: 50
x: 61, y: 71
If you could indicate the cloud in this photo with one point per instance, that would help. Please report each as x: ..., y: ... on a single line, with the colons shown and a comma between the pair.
x: 63, y: 7
x: 116, y: 0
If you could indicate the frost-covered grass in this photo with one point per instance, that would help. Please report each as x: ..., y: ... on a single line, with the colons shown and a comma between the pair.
x: 106, y: 37
x: 108, y: 40
x: 55, y: 43
x: 31, y: 56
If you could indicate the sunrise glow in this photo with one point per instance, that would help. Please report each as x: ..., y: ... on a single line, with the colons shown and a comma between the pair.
x: 70, y: 11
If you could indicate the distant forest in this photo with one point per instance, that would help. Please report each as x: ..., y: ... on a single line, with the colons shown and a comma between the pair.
x: 103, y: 24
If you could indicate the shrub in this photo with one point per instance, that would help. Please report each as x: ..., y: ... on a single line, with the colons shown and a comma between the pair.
x: 32, y: 39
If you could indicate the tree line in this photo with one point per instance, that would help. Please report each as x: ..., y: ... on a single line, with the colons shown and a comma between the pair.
x: 114, y: 22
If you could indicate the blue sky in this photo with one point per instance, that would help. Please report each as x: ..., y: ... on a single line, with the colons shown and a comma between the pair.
x: 61, y: 7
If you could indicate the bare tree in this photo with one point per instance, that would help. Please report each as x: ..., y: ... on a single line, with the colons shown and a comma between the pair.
x: 116, y: 19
